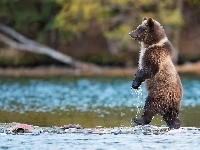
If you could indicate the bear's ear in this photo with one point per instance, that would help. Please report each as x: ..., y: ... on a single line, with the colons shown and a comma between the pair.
x: 145, y: 18
x: 150, y: 22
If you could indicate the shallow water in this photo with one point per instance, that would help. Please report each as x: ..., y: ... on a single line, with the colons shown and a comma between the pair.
x: 88, y: 101
x: 181, y: 139
x: 91, y: 102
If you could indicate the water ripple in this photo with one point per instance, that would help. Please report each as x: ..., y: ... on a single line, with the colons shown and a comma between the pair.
x: 47, y: 94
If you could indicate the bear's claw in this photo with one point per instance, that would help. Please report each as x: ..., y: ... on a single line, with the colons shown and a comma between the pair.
x: 135, y: 85
x: 137, y: 121
x: 174, y: 125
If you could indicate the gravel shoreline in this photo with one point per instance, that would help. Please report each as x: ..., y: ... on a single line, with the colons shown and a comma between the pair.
x: 51, y: 71
x: 19, y: 128
x: 25, y: 129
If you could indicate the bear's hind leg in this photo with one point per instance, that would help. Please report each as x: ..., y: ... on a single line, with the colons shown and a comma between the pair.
x: 147, y: 116
x: 172, y: 120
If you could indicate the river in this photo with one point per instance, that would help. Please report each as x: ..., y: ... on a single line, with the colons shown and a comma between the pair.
x: 90, y: 102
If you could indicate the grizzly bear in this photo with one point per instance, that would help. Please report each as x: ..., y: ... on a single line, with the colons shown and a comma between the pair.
x: 157, y: 71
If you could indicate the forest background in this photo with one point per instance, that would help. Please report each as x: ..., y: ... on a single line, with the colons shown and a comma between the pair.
x: 94, y: 31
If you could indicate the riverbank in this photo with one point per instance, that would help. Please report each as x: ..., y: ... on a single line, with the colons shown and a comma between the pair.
x: 44, y: 71
x: 19, y: 128
x: 140, y: 137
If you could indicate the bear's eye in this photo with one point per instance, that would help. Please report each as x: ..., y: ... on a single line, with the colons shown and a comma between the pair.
x: 141, y: 28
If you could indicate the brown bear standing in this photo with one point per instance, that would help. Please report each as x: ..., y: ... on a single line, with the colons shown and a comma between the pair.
x: 157, y: 70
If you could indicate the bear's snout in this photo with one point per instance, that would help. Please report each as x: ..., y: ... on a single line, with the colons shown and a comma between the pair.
x: 132, y: 34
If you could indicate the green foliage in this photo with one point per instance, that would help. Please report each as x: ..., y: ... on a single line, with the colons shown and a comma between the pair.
x: 37, y: 19
x: 172, y: 9
x: 120, y: 34
x: 73, y: 17
x: 132, y: 12
x: 34, y: 19
x: 76, y: 16
x: 193, y: 2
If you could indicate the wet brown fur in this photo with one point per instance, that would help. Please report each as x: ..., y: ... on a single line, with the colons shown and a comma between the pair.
x: 159, y: 74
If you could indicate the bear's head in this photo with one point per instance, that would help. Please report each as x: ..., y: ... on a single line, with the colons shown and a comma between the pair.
x: 149, y: 32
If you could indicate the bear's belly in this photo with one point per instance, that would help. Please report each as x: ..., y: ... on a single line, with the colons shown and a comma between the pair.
x: 164, y: 89
x: 167, y: 82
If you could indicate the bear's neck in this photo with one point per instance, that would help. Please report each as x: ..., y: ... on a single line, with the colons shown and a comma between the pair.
x: 159, y: 43
x: 145, y: 46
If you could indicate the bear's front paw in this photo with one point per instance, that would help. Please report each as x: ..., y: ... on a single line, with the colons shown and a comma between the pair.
x: 135, y: 85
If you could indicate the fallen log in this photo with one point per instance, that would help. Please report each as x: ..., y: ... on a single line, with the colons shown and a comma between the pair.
x: 20, y: 42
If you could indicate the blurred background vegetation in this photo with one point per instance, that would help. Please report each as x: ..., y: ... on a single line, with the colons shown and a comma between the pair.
x: 97, y: 31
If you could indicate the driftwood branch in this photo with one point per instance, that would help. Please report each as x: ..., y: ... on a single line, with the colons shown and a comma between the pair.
x: 37, y: 49
x: 25, y: 44
x: 16, y: 35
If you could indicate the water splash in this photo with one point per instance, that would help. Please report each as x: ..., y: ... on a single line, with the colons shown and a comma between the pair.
x: 122, y: 114
x: 138, y: 95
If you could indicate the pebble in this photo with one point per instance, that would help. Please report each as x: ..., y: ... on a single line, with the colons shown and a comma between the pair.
x: 24, y: 129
